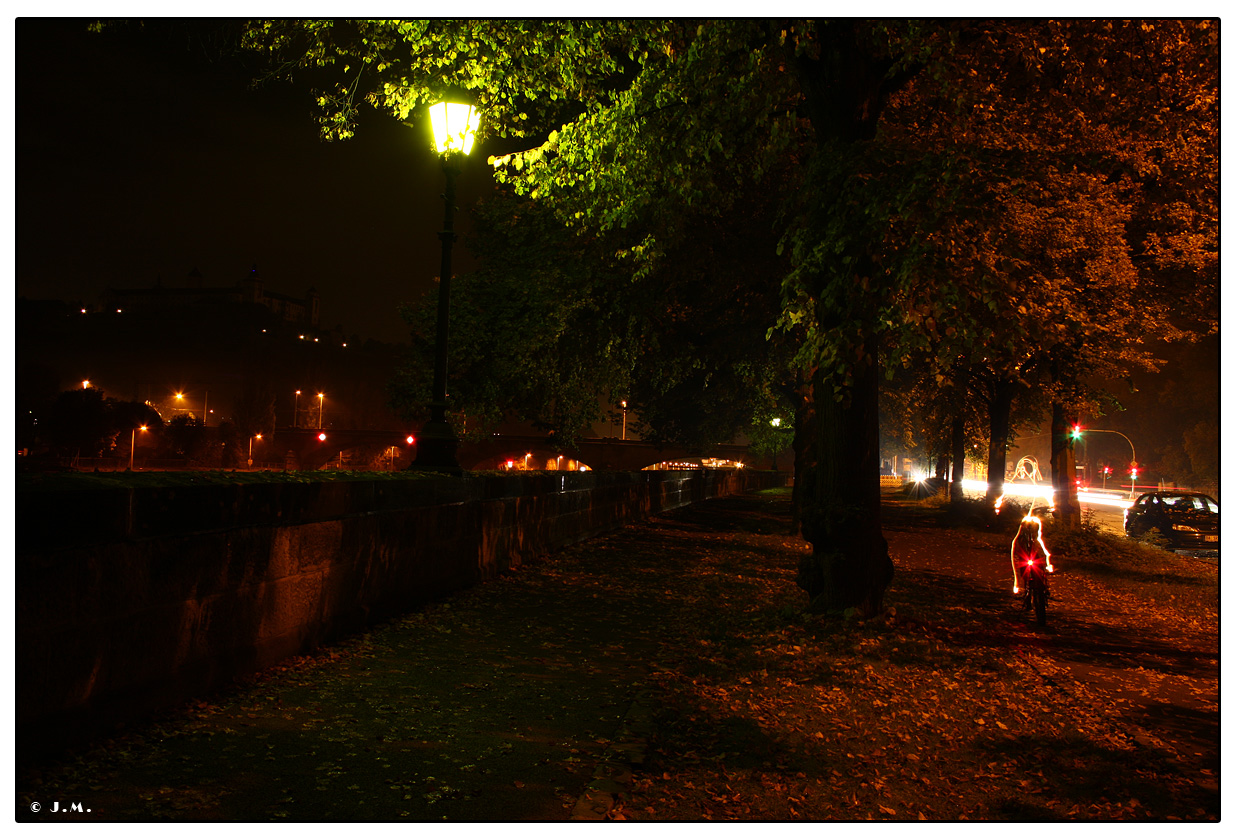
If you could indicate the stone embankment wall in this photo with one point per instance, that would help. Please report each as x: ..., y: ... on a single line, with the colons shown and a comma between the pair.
x: 129, y: 601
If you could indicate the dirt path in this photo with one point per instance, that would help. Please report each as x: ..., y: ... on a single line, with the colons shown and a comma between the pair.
x: 1119, y: 648
x: 954, y: 706
x: 667, y: 671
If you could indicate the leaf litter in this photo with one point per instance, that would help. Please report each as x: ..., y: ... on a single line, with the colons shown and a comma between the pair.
x: 500, y: 702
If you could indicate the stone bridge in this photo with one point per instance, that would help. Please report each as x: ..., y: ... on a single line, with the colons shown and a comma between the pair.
x: 367, y: 449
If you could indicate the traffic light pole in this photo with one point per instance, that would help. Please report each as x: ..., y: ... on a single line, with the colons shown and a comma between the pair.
x: 1133, y: 449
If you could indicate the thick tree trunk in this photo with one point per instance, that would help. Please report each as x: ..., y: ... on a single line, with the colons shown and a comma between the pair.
x: 1064, y: 466
x: 999, y: 406
x: 956, y: 491
x: 850, y: 566
x: 845, y: 85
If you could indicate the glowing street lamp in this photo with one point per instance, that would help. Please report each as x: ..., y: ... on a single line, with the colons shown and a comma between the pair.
x: 776, y: 424
x: 205, y: 397
x: 454, y: 126
x: 296, y: 411
x: 321, y: 397
x: 133, y: 444
x: 624, y: 419
x: 258, y: 436
x: 454, y: 130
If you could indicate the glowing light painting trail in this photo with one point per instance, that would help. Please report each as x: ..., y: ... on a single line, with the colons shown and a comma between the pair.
x: 1035, y: 491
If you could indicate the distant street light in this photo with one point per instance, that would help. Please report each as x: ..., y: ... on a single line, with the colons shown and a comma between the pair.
x: 296, y: 411
x: 454, y: 129
x: 258, y: 436
x: 133, y: 444
x: 624, y: 419
x: 776, y: 424
x: 321, y: 398
x: 206, y: 395
x: 85, y: 384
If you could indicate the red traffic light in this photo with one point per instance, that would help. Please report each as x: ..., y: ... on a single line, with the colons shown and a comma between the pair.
x: 321, y: 435
x: 411, y: 440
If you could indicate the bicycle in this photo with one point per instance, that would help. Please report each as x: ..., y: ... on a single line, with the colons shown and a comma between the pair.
x: 1034, y: 578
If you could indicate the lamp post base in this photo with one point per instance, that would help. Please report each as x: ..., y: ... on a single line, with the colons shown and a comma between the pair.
x: 436, y: 448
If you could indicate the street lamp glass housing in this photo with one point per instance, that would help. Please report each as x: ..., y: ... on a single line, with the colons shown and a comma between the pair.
x: 454, y: 126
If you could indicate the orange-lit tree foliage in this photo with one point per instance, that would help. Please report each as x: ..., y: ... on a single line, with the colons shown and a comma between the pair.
x: 1083, y: 161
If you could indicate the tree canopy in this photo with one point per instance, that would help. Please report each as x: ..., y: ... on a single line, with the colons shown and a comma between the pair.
x: 1025, y: 199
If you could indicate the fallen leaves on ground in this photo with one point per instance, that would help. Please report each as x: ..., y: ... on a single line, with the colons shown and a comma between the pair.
x: 501, y: 702
x: 949, y: 706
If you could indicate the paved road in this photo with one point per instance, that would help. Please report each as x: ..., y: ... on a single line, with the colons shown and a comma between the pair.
x: 1108, y: 518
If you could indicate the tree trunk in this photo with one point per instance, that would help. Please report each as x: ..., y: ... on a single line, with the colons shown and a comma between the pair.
x: 956, y: 491
x: 850, y: 565
x: 999, y: 406
x: 1064, y: 467
x: 845, y: 85
x: 803, y: 412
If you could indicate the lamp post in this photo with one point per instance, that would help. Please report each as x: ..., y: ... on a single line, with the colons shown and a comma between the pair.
x: 624, y: 419
x: 454, y: 128
x: 133, y: 444
x: 321, y: 398
x: 258, y: 436
x: 296, y: 410
x: 776, y: 424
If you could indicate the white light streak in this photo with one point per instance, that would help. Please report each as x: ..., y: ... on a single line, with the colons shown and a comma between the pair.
x: 1042, y: 491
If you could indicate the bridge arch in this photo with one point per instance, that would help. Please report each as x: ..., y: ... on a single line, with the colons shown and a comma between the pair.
x: 520, y: 458
x: 606, y: 454
x: 367, y: 449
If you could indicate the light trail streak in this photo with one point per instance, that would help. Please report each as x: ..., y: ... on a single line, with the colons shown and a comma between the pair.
x: 1040, y: 491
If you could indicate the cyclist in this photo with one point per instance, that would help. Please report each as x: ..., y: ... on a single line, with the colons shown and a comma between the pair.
x: 1027, y: 548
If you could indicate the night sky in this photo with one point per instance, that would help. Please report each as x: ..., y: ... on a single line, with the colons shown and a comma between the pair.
x: 139, y: 158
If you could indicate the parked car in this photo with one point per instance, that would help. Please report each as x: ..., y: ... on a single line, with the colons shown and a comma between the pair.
x: 1185, y: 520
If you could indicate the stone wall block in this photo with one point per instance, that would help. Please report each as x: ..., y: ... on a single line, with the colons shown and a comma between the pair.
x: 182, y: 589
x: 312, y: 546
